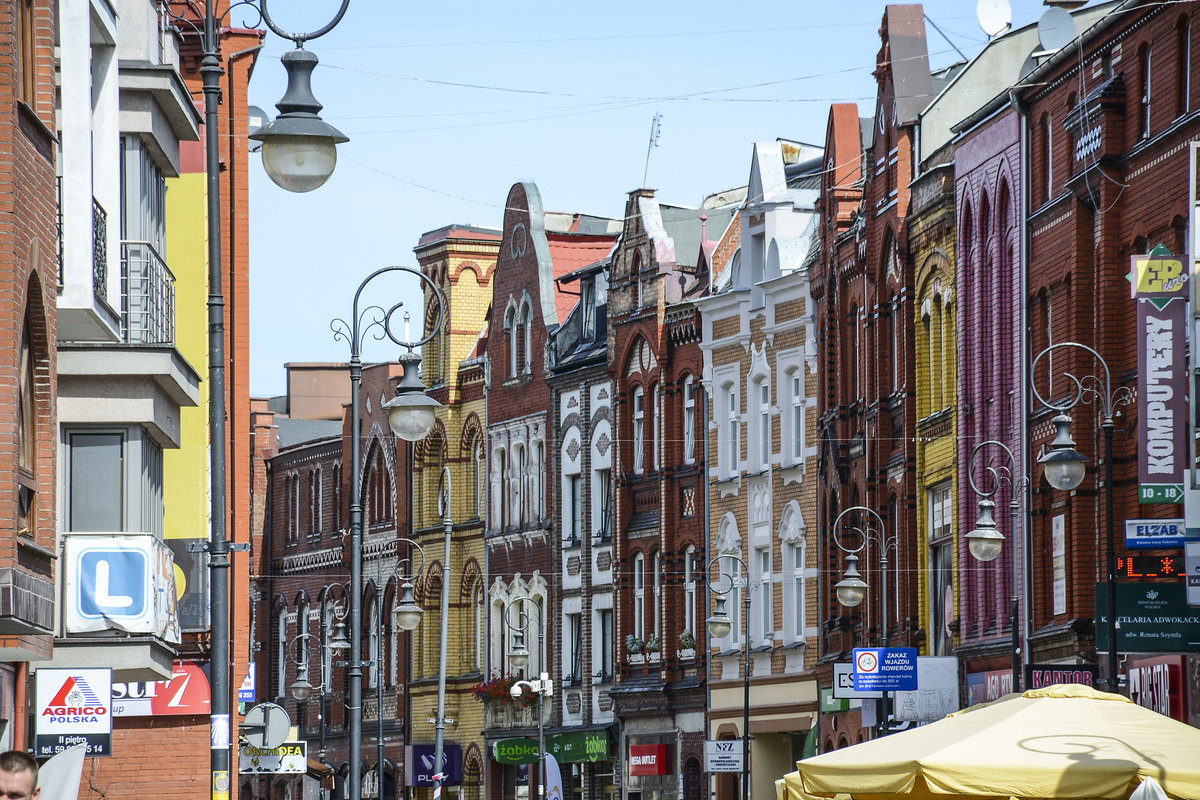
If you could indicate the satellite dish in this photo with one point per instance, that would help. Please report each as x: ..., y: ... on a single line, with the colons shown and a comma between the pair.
x: 995, y: 16
x: 1029, y: 66
x: 258, y: 117
x: 266, y: 726
x: 1056, y: 29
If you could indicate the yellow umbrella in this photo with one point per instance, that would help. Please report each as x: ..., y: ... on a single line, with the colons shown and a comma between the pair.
x: 1062, y: 741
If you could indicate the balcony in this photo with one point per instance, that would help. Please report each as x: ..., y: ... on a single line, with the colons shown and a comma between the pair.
x: 511, y: 716
x: 147, y: 296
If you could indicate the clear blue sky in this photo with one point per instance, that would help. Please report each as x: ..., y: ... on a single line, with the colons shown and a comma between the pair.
x: 447, y: 104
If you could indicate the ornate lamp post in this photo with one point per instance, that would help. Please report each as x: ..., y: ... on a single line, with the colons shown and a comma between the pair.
x: 186, y: 13
x: 543, y: 687
x: 852, y: 589
x: 410, y: 416
x: 719, y: 625
x: 1065, y: 466
x: 986, y: 541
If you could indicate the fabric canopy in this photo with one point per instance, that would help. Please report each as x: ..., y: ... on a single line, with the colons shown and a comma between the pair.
x: 1062, y: 741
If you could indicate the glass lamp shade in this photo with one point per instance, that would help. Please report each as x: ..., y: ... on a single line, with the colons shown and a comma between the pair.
x: 407, y: 616
x: 719, y: 623
x: 412, y: 415
x: 299, y: 163
x: 851, y: 589
x: 339, y: 643
x: 986, y: 540
x: 519, y: 658
x: 302, y: 689
x: 1065, y: 469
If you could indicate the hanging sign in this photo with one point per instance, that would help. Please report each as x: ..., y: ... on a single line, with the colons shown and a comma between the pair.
x: 1160, y: 288
x: 74, y: 706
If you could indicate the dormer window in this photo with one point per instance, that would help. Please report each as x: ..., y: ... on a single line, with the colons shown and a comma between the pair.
x: 587, y: 302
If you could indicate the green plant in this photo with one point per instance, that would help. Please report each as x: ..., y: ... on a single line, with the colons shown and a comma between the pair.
x: 633, y: 644
x: 496, y: 690
x: 687, y: 640
x: 652, y: 644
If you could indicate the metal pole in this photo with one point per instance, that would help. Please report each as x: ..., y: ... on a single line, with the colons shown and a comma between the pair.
x: 1014, y: 610
x: 1114, y: 683
x: 746, y: 692
x: 379, y: 673
x: 220, y: 725
x: 881, y: 722
x: 541, y: 777
x: 439, y: 776
x: 354, y: 667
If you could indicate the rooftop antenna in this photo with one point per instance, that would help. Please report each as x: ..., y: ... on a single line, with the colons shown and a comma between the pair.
x: 655, y: 130
x: 995, y: 16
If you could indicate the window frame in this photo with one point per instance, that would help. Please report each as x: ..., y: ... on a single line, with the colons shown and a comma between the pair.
x: 689, y: 419
x: 638, y: 413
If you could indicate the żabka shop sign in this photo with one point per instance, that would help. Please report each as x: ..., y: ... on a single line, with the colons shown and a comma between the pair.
x: 648, y: 759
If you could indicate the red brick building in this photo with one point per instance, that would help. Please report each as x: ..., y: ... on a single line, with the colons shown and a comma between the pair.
x: 29, y: 277
x: 527, y: 304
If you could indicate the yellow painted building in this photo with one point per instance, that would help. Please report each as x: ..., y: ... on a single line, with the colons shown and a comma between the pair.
x: 460, y: 260
x: 931, y: 232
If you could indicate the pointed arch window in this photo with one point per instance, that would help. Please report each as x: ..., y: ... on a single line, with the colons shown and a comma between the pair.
x: 639, y: 430
x: 26, y: 440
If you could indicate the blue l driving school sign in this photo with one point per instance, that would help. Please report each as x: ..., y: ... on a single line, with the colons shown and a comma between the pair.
x: 887, y: 669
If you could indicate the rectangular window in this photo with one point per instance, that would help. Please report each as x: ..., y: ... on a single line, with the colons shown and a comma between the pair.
x: 604, y: 630
x: 639, y: 597
x: 574, y: 510
x: 764, y: 593
x: 941, y: 569
x: 573, y: 667
x: 658, y: 423
x: 1146, y: 89
x: 587, y: 303
x: 26, y: 53
x: 639, y: 430
x: 602, y: 491
x: 797, y: 409
x: 689, y: 592
x: 764, y: 425
x: 96, y: 470
x: 689, y: 420
x: 657, y: 608
x: 732, y: 446
x: 798, y: 587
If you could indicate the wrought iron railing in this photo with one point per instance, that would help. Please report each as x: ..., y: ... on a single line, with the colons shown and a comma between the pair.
x: 147, y: 296
x: 99, y: 249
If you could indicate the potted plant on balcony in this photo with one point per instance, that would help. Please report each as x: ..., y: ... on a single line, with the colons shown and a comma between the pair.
x: 634, y: 647
x: 687, y: 645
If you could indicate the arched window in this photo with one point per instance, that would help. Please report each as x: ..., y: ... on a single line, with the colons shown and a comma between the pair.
x: 689, y: 419
x: 26, y: 437
x: 527, y: 337
x: 517, y: 485
x: 1183, y: 66
x: 502, y: 502
x: 1144, y: 84
x: 537, y: 500
x: 511, y: 327
x: 1047, y: 130
x: 762, y: 431
x: 281, y: 647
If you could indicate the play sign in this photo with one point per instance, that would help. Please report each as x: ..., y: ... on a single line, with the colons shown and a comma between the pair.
x: 885, y: 669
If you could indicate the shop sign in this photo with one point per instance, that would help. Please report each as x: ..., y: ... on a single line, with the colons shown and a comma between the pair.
x: 579, y: 746
x: 419, y: 764
x: 724, y: 755
x: 831, y: 703
x: 1157, y: 684
x: 648, y: 759
x: 1154, y: 534
x: 843, y: 684
x: 1038, y: 676
x: 187, y: 692
x: 937, y: 692
x: 74, y: 706
x: 1162, y: 388
x: 984, y: 687
x: 515, y: 751
x: 1151, y: 618
x: 290, y: 758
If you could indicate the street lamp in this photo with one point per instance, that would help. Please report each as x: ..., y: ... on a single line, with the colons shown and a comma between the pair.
x: 354, y: 332
x: 985, y: 541
x: 543, y: 687
x: 1064, y: 466
x: 406, y: 616
x: 719, y: 625
x: 852, y: 589
x: 183, y: 12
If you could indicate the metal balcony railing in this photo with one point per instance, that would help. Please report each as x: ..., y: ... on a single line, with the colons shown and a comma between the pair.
x: 147, y: 296
x: 99, y: 249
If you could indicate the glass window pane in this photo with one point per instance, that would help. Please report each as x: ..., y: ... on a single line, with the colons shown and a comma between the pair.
x: 96, y: 486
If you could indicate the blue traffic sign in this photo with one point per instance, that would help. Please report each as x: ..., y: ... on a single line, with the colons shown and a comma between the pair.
x: 885, y: 669
x: 113, y: 583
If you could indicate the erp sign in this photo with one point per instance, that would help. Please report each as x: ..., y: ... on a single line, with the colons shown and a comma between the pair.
x: 885, y: 669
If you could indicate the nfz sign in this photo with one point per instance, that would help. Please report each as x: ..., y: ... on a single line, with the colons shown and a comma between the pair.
x: 724, y: 755
x: 74, y: 706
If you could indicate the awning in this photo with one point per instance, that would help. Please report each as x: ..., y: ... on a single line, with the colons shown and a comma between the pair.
x: 322, y: 772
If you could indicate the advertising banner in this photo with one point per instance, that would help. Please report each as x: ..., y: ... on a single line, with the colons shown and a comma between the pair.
x: 123, y: 582
x: 515, y: 751
x: 1038, y: 676
x: 648, y: 759
x: 419, y: 767
x: 289, y: 757
x: 1151, y: 618
x: 936, y: 694
x: 74, y: 706
x: 187, y: 692
x: 579, y: 746
x: 1154, y: 534
x: 1158, y: 684
x: 1160, y: 287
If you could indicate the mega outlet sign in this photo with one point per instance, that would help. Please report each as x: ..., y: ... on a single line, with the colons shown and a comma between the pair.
x: 648, y: 759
